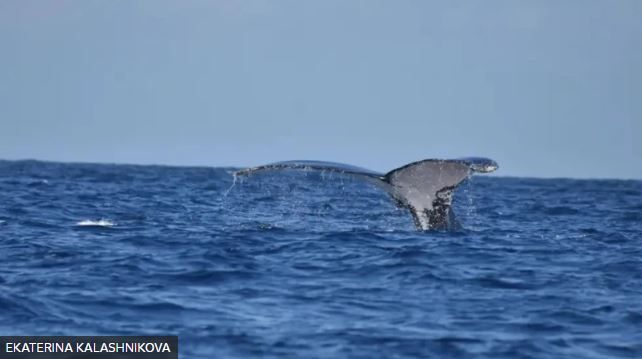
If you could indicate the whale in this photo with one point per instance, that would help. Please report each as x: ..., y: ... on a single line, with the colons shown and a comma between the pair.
x: 425, y: 188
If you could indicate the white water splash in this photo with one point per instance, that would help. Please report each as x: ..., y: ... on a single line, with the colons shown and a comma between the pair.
x: 94, y: 223
x: 234, y: 179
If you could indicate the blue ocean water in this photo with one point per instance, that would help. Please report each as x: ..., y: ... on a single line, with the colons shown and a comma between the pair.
x: 319, y: 265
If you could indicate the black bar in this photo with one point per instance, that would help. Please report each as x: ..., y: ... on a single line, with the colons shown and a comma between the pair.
x: 89, y: 347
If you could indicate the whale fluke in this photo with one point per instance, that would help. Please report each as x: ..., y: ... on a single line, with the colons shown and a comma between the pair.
x: 424, y: 187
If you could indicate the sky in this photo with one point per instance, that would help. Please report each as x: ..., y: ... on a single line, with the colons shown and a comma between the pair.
x: 546, y: 88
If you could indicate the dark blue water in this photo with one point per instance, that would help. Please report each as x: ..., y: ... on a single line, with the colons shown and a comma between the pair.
x: 319, y: 265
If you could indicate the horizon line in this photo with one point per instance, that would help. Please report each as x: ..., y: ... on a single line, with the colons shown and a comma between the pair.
x: 154, y: 164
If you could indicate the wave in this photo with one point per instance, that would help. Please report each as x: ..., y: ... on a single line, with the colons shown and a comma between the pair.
x: 95, y: 223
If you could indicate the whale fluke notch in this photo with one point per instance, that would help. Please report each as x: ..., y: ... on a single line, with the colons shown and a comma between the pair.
x: 424, y: 187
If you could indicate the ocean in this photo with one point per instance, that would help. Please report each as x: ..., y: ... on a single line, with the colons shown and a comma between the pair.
x: 319, y: 265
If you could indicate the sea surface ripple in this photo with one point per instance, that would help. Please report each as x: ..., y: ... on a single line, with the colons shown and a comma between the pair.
x: 319, y: 265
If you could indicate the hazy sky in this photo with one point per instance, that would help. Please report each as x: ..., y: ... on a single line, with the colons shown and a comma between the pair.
x: 546, y: 88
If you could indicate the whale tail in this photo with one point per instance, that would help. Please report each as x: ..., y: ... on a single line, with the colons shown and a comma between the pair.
x: 424, y: 187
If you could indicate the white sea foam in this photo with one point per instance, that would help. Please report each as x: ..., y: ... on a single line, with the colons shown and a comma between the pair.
x: 94, y: 223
